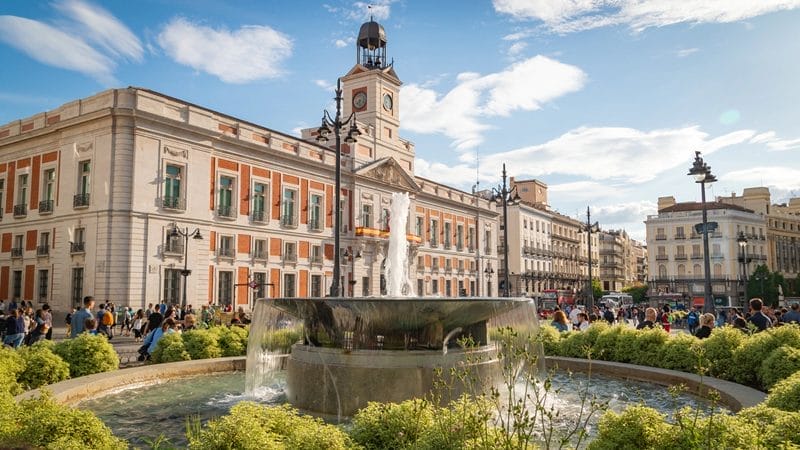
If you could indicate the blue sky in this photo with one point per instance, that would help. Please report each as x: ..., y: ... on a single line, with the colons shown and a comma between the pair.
x: 603, y: 100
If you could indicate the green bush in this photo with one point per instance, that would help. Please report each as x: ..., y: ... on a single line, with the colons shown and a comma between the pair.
x: 573, y: 344
x: 281, y: 340
x: 625, y: 346
x: 647, y: 344
x: 780, y: 364
x: 463, y: 424
x: 637, y: 427
x: 680, y: 352
x: 721, y: 431
x: 170, y: 348
x: 777, y: 426
x: 785, y: 394
x: 42, y: 366
x: 718, y: 350
x: 43, y: 423
x: 392, y: 425
x: 748, y: 357
x: 87, y: 354
x: 550, y: 339
x: 606, y: 343
x: 253, y: 426
x: 201, y: 344
x: 11, y: 365
x: 232, y: 340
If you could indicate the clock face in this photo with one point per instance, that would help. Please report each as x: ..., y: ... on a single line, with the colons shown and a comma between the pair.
x: 387, y: 102
x: 360, y: 100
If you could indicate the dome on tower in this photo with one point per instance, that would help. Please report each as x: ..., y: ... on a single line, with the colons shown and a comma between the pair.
x: 371, y: 35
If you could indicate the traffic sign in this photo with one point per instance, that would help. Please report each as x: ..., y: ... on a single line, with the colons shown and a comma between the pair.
x: 710, y: 226
x: 253, y: 284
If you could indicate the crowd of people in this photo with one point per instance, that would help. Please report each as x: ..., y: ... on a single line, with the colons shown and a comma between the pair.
x: 757, y: 318
x: 20, y: 324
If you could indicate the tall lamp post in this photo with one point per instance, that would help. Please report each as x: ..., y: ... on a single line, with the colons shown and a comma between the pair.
x: 174, y: 234
x: 702, y: 174
x: 335, y: 125
x: 742, y: 240
x: 589, y: 228
x: 503, y: 195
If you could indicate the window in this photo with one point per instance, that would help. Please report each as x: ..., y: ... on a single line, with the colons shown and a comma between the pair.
x: 434, y: 233
x: 316, y: 285
x: 448, y: 234
x: 226, y: 246
x: 260, y: 249
x: 471, y: 239
x: 77, y: 245
x: 81, y: 199
x: 43, y: 249
x: 225, y: 287
x: 290, y: 252
x: 342, y: 217
x: 420, y: 287
x: 16, y: 285
x: 288, y: 208
x: 435, y: 287
x: 420, y: 222
x: 385, y: 218
x: 173, y: 244
x: 316, y: 254
x: 172, y: 286
x: 20, y: 208
x: 289, y: 288
x: 172, y: 187
x: 447, y: 288
x: 2, y: 196
x: 44, y: 285
x: 460, y: 237
x: 48, y: 191
x: 225, y: 198
x: 315, y: 212
x: 259, y: 202
x: 260, y: 290
x: 366, y: 215
x: 16, y: 250
x: 77, y: 285
x: 716, y: 250
x: 365, y: 287
x: 487, y: 241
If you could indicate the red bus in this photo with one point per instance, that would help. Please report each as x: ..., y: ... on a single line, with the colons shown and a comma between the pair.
x: 555, y: 297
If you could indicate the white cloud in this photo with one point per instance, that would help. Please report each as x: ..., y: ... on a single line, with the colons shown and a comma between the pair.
x: 564, y: 16
x: 346, y: 42
x: 772, y: 142
x: 54, y: 47
x: 517, y: 48
x: 102, y: 28
x: 782, y: 179
x: 585, y: 190
x: 249, y: 53
x: 684, y: 52
x: 460, y: 175
x: 525, y: 85
x: 324, y: 85
x: 378, y: 9
x: 614, y: 153
x: 612, y: 216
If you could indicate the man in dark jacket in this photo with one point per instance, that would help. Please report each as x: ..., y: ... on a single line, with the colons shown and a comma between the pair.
x: 758, y: 318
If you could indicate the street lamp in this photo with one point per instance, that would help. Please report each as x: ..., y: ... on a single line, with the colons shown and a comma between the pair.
x: 334, y: 125
x: 589, y: 228
x: 702, y: 174
x: 742, y: 240
x: 502, y: 195
x: 174, y: 234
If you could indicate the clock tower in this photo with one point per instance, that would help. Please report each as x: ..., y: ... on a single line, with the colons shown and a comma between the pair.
x: 371, y: 89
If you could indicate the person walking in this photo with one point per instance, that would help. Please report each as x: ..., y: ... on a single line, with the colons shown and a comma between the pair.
x: 693, y: 320
x: 79, y: 318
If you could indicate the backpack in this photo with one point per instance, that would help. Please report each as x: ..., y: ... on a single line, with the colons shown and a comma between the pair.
x: 108, y: 318
x: 692, y: 318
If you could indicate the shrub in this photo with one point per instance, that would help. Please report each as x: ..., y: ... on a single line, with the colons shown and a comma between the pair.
x: 785, y: 394
x: 43, y: 423
x: 232, y: 340
x: 748, y: 357
x: 42, y: 366
x: 11, y: 365
x: 170, y: 348
x: 679, y: 352
x: 776, y: 425
x: 606, y: 344
x: 625, y: 347
x: 573, y: 344
x: 201, y: 344
x: 550, y: 339
x: 718, y: 431
x: 462, y: 424
x: 780, y: 364
x: 637, y: 427
x: 87, y: 354
x: 647, y: 344
x: 718, y: 350
x: 253, y: 426
x: 392, y: 425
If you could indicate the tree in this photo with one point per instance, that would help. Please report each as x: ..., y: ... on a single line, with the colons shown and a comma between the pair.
x: 637, y: 291
x: 597, y: 288
x: 764, y: 285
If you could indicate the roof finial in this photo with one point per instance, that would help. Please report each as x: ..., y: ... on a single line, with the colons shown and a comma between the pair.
x: 369, y: 10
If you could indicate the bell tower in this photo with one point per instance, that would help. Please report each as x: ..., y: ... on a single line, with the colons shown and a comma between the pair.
x: 371, y: 89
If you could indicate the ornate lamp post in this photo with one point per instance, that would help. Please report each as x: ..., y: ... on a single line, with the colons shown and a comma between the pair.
x: 489, y: 271
x: 590, y: 227
x: 176, y: 233
x: 335, y: 125
x: 503, y: 195
x: 742, y: 241
x: 702, y: 174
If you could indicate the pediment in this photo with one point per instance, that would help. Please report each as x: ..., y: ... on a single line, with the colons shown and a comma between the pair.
x: 387, y: 170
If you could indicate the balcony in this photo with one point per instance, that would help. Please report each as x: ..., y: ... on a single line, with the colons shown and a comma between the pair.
x: 258, y: 216
x: 471, y: 249
x: 460, y: 247
x: 46, y: 207
x: 697, y: 256
x: 288, y: 221
x: 260, y: 255
x: 717, y: 256
x: 226, y: 211
x: 680, y: 236
x: 435, y: 268
x: 225, y: 252
x: 43, y: 250
x: 173, y: 203
x: 315, y: 224
x: 434, y: 243
x: 290, y: 257
x: 661, y: 237
x: 20, y: 210
x: 173, y: 247
x: 662, y: 258
x: 680, y: 257
x: 77, y: 247
x: 80, y: 201
x: 16, y: 252
x: 316, y: 260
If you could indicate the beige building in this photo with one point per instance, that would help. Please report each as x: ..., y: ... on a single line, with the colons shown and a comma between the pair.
x: 529, y: 249
x: 675, y: 250
x: 92, y: 190
x: 620, y: 260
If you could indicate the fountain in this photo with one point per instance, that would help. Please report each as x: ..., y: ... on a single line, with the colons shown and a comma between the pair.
x: 341, y: 353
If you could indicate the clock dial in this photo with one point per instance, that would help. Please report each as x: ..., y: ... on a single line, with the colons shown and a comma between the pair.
x: 360, y: 100
x: 387, y: 102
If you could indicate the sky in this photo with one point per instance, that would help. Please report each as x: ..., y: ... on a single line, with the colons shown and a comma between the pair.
x: 605, y: 101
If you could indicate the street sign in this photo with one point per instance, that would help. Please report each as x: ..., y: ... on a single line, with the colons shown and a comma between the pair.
x: 253, y: 284
x: 710, y: 226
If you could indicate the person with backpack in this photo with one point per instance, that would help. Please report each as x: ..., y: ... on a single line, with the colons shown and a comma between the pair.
x: 105, y: 321
x: 692, y: 320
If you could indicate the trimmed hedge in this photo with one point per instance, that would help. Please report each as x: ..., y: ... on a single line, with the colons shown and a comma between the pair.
x: 170, y: 348
x: 87, y: 354
x: 42, y: 366
x: 785, y: 395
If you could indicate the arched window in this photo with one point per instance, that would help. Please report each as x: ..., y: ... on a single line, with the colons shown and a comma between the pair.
x: 697, y: 271
x: 717, y: 270
x: 662, y: 271
x: 681, y: 270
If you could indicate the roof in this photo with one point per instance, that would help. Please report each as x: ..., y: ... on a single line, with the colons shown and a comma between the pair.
x: 697, y: 206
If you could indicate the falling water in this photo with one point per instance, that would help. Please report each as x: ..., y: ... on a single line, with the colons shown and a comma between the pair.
x: 397, y: 284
